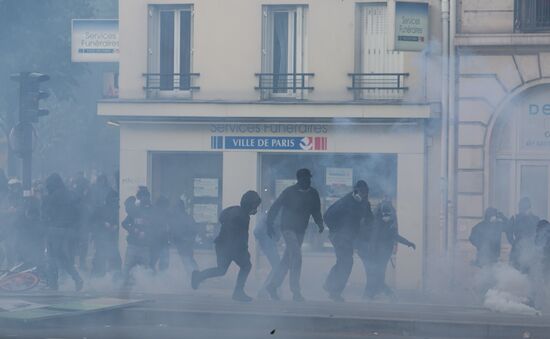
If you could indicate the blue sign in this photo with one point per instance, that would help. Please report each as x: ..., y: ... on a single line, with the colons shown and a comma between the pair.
x: 306, y: 143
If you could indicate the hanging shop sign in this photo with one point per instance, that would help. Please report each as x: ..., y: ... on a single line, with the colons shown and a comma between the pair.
x: 280, y: 143
x: 411, y: 26
x: 94, y: 40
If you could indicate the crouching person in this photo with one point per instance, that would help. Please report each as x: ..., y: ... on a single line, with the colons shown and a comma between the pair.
x: 232, y: 245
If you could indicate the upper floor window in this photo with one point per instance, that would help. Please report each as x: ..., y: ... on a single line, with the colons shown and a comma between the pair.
x: 379, y: 68
x: 170, y: 48
x: 532, y: 15
x: 283, y: 52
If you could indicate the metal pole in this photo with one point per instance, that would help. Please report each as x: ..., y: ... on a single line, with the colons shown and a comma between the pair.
x: 444, y: 170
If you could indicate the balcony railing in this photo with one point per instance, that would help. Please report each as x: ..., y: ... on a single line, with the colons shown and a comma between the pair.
x: 378, y: 81
x: 532, y: 16
x: 284, y: 83
x: 171, y: 82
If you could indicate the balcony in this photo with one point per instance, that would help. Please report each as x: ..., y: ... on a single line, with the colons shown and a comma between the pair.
x: 532, y: 16
x: 170, y: 82
x: 284, y: 85
x: 378, y: 85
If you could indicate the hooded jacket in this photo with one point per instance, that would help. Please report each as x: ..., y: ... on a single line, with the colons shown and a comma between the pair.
x: 486, y: 237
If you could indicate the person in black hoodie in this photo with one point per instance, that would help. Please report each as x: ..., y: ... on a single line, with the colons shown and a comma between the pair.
x: 486, y: 237
x: 105, y: 237
x: 343, y: 219
x: 232, y: 245
x: 521, y: 234
x: 139, y: 224
x: 382, y: 241
x: 183, y: 230
x: 297, y: 204
x: 60, y: 216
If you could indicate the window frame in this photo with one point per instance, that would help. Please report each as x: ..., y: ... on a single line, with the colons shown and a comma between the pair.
x: 154, y: 48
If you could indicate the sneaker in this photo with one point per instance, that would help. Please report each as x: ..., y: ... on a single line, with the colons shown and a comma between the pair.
x: 336, y: 298
x: 272, y: 291
x: 241, y: 296
x: 195, y: 280
x: 297, y: 297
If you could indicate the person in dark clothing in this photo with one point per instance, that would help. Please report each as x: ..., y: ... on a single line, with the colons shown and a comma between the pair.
x: 486, y: 237
x: 60, y: 216
x: 343, y: 219
x: 160, y: 254
x: 382, y: 242
x: 232, y: 245
x: 521, y: 233
x: 183, y: 230
x: 139, y: 224
x: 105, y: 237
x: 296, y: 204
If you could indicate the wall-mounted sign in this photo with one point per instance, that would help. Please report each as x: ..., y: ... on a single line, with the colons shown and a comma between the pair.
x: 94, y: 40
x: 535, y: 126
x: 290, y: 143
x: 205, y: 187
x: 411, y: 26
x: 268, y: 128
x: 339, y: 176
x: 205, y: 213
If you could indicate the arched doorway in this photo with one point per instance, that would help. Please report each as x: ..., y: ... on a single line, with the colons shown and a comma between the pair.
x: 520, y: 153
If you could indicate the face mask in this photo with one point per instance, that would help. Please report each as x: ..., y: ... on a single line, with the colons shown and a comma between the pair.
x: 138, y: 203
x: 357, y: 197
x: 493, y: 219
x: 386, y: 218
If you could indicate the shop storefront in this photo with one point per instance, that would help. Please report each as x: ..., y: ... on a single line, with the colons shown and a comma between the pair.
x: 210, y: 165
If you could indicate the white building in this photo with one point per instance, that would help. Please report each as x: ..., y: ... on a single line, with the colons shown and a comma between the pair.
x: 219, y: 97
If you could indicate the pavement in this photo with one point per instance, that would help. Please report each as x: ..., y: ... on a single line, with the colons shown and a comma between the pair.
x: 210, y: 313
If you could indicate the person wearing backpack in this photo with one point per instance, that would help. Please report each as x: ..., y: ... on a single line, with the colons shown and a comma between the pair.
x: 343, y: 219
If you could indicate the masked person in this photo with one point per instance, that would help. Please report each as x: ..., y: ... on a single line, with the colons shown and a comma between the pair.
x: 232, y: 245
x: 105, y: 237
x: 139, y: 224
x: 296, y: 204
x: 486, y: 237
x: 382, y: 242
x: 520, y: 233
x: 60, y: 216
x: 183, y: 230
x: 343, y: 219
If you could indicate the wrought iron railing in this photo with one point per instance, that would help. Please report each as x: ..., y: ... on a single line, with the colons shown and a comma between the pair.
x: 284, y: 82
x: 170, y: 82
x: 378, y: 81
x: 532, y: 16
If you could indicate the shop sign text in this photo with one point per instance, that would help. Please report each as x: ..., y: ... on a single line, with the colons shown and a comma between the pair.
x: 291, y: 143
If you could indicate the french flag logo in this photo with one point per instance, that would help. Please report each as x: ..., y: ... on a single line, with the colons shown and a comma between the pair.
x: 320, y: 143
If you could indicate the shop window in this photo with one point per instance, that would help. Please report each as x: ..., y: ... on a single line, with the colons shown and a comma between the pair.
x: 333, y: 176
x: 283, y: 61
x: 197, y: 178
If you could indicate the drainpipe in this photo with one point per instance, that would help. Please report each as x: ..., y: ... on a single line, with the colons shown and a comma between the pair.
x: 453, y: 139
x: 444, y: 170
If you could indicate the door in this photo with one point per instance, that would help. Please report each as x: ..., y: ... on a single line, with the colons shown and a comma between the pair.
x: 532, y: 182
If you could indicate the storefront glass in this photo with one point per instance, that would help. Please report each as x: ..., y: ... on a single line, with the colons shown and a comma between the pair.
x: 196, y: 178
x: 333, y: 176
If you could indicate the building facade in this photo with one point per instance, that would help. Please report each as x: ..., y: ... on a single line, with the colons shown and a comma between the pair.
x: 219, y: 97
x: 503, y: 138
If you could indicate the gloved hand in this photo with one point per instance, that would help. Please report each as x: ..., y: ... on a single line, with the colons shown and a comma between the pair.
x: 321, y: 228
x: 412, y: 245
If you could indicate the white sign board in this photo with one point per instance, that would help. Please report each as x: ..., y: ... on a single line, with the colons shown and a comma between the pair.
x: 411, y: 26
x: 205, y: 187
x: 94, y: 40
x: 205, y: 213
x: 339, y: 176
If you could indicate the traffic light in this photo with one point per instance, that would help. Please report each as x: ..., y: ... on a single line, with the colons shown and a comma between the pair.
x: 30, y: 95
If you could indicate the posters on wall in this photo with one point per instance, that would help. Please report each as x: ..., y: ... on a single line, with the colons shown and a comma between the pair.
x: 205, y: 213
x: 205, y: 187
x: 338, y: 176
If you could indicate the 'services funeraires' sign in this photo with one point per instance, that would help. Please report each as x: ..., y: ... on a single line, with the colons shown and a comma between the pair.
x: 94, y: 40
x: 411, y: 26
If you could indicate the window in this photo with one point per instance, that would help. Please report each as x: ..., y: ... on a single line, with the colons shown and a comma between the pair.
x: 283, y: 59
x: 380, y: 69
x: 532, y: 15
x: 170, y: 48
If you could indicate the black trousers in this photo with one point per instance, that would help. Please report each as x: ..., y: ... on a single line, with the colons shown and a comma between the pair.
x: 224, y: 257
x: 59, y: 243
x: 291, y: 262
x: 340, y: 272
